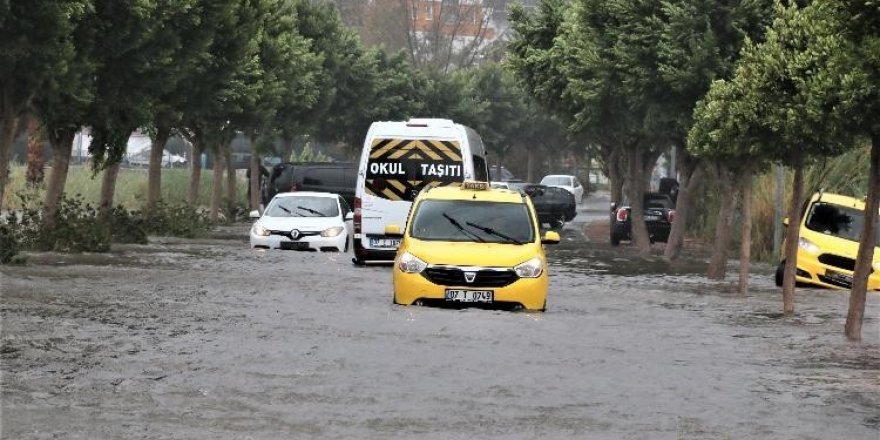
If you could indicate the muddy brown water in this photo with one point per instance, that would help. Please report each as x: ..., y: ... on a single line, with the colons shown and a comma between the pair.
x: 206, y: 339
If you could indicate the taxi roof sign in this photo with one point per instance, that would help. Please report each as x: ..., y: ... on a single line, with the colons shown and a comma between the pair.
x: 475, y: 186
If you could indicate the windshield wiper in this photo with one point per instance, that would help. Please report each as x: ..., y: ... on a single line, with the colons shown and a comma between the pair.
x: 462, y: 229
x: 491, y: 231
x: 317, y: 213
x: 289, y: 212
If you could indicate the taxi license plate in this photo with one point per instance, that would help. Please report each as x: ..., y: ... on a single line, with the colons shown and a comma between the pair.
x: 839, y: 277
x: 483, y: 296
x: 389, y: 243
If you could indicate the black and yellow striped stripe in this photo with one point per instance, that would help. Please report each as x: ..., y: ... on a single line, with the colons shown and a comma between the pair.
x: 413, y: 152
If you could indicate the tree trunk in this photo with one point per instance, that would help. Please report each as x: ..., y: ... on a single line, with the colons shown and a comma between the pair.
x: 62, y: 147
x: 615, y: 177
x: 195, y: 177
x: 154, y: 178
x: 718, y: 262
x: 530, y: 164
x: 230, y: 181
x: 866, y: 247
x: 255, y: 178
x: 8, y: 127
x: 690, y: 175
x: 745, y: 252
x: 35, y: 162
x: 217, y: 188
x: 792, y: 235
x: 635, y: 193
x: 108, y: 190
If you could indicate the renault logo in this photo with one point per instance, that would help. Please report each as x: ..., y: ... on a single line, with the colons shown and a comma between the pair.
x: 294, y: 234
x: 470, y: 276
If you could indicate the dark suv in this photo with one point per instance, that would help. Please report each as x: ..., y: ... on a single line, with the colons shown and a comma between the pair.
x: 659, y: 211
x: 333, y: 177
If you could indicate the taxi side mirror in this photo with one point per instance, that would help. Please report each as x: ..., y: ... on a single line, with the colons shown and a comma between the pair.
x: 393, y: 231
x: 550, y: 237
x: 785, y: 221
x: 254, y: 214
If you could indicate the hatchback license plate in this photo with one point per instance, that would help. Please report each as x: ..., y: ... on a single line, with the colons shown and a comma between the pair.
x: 294, y: 245
x: 388, y: 243
x: 483, y: 296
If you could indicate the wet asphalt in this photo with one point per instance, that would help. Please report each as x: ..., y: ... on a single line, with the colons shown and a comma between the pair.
x: 208, y: 339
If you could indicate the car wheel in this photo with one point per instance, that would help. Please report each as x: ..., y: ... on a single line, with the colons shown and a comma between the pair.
x: 558, y: 221
x: 780, y: 274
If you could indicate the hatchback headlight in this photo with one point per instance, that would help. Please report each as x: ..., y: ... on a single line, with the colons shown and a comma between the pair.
x: 331, y: 232
x: 530, y: 269
x: 808, y: 245
x: 409, y: 263
x: 260, y: 230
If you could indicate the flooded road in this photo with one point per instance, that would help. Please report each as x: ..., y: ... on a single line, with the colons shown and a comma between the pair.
x: 207, y: 339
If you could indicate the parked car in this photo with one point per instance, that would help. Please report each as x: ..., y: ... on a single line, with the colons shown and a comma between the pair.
x: 303, y: 221
x: 566, y: 182
x: 514, y: 184
x: 659, y: 212
x: 554, y: 206
x: 332, y: 177
x: 829, y: 243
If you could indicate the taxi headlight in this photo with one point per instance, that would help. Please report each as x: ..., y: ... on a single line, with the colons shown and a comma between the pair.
x: 409, y: 263
x: 331, y: 232
x: 530, y: 269
x: 260, y: 230
x: 808, y: 245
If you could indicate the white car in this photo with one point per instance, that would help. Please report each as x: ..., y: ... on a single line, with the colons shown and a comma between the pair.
x: 566, y: 182
x: 303, y: 221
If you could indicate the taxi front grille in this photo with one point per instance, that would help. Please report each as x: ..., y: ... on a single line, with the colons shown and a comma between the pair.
x: 838, y: 261
x: 449, y: 276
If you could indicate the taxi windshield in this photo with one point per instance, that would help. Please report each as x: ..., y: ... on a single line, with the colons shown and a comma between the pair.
x: 485, y: 222
x: 839, y: 221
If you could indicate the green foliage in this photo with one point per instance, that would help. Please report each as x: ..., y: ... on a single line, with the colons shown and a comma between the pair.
x: 176, y: 220
x: 308, y: 154
x: 783, y: 102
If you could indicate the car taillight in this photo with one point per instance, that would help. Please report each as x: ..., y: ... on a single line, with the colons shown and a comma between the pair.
x: 671, y: 216
x: 357, y: 215
x: 622, y: 215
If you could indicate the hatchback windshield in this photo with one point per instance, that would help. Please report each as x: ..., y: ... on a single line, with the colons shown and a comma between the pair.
x: 556, y: 180
x: 489, y: 222
x: 303, y: 206
x: 838, y: 221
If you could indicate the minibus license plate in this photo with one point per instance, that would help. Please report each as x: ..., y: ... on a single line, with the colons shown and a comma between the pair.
x: 484, y: 296
x: 389, y: 243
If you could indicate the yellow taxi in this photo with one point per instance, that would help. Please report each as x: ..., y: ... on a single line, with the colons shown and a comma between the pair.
x: 472, y: 244
x: 830, y: 230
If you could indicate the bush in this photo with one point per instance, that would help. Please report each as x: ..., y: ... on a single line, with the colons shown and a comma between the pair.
x: 76, y: 229
x: 176, y: 221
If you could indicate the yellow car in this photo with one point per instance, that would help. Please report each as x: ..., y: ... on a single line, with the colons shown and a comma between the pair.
x: 829, y: 243
x: 471, y: 244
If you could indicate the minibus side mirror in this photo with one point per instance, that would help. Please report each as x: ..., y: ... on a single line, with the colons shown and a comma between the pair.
x: 550, y: 237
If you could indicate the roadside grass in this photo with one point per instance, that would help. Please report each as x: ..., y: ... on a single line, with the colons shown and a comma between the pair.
x: 131, y: 187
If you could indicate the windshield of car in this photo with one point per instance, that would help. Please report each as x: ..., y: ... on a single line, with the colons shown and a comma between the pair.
x: 302, y: 206
x: 459, y: 220
x: 556, y: 180
x: 838, y: 221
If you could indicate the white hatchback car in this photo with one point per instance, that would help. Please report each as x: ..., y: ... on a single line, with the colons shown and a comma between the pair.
x: 303, y: 221
x: 566, y: 182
